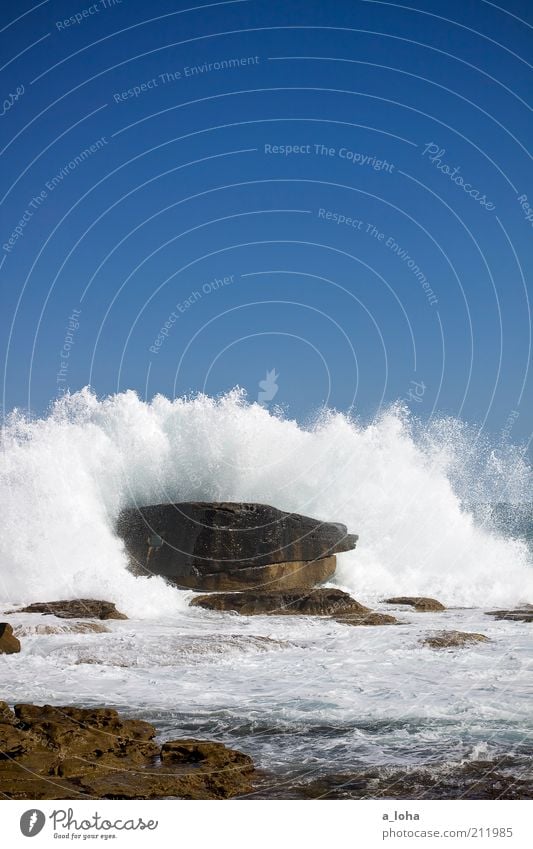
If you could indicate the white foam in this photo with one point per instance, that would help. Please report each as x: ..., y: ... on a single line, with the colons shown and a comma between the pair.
x: 66, y: 477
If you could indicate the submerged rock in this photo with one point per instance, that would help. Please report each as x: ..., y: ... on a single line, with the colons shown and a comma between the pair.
x: 316, y: 602
x: 454, y: 639
x: 77, y: 608
x: 191, y: 543
x: 9, y: 644
x: 475, y: 780
x: 418, y: 602
x: 71, y: 753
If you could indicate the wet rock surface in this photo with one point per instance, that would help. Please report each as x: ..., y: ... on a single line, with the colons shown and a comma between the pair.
x: 77, y: 608
x: 191, y: 542
x: 475, y: 780
x: 454, y: 639
x: 371, y: 618
x: 9, y: 644
x: 46, y: 629
x: 68, y: 753
x: 419, y: 603
x: 315, y: 602
x: 299, y: 574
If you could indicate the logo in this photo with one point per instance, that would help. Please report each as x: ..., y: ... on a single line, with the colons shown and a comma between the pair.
x: 268, y: 386
x: 32, y: 822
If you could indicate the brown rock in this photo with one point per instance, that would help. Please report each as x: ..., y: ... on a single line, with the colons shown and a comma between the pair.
x: 70, y: 753
x: 188, y: 540
x: 188, y: 781
x: 454, y: 639
x: 299, y: 574
x: 418, y: 602
x: 77, y: 608
x: 372, y: 618
x: 8, y: 643
x: 316, y: 602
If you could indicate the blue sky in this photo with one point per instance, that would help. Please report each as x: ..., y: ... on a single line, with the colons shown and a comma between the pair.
x: 194, y: 195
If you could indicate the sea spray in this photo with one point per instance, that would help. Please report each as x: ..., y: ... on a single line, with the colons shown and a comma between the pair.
x: 65, y: 478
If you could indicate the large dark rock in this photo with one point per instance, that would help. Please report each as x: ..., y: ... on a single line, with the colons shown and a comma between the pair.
x: 317, y: 602
x: 187, y: 541
x: 76, y: 608
x: 9, y: 644
x: 77, y: 753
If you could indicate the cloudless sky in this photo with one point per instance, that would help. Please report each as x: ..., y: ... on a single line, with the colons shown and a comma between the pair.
x: 187, y: 250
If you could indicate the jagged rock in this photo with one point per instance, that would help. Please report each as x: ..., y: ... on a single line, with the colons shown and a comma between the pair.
x: 191, y: 542
x: 372, y: 618
x: 77, y: 608
x: 454, y: 639
x: 8, y: 643
x: 316, y: 602
x: 71, y: 753
x: 520, y: 615
x: 300, y: 574
x: 418, y: 602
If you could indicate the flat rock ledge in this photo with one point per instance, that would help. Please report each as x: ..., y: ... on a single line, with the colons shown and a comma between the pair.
x: 520, y: 615
x: 77, y: 608
x: 419, y: 603
x: 9, y: 644
x: 77, y: 753
x: 454, y: 639
x: 321, y: 601
x: 225, y: 546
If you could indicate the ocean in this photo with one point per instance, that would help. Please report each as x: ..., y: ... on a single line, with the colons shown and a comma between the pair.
x: 439, y: 511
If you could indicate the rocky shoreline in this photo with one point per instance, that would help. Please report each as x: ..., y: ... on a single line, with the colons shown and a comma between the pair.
x: 75, y: 753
